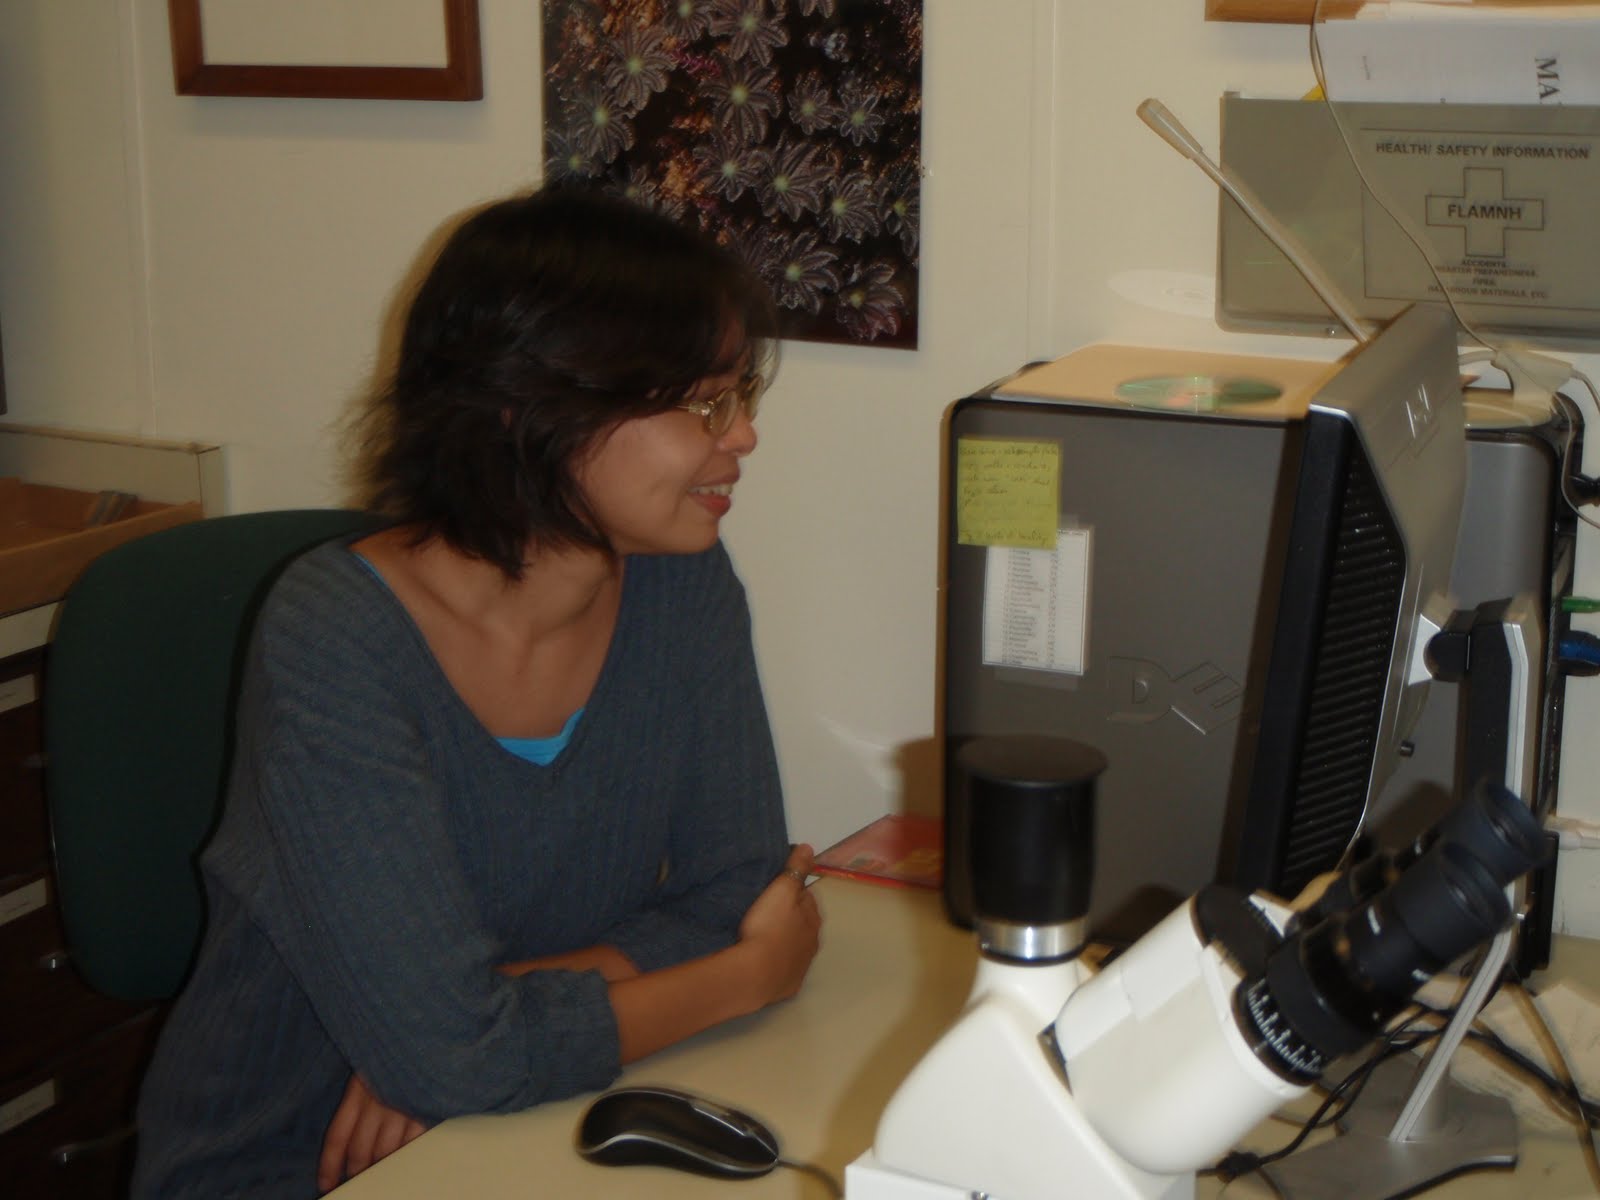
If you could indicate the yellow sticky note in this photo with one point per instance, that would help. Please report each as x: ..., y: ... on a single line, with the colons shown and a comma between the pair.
x: 1007, y: 492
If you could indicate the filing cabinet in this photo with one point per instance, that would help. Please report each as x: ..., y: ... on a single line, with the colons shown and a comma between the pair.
x: 70, y: 1058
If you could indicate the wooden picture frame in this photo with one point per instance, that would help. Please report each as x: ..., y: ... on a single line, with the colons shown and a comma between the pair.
x: 1298, y: 12
x: 1283, y: 12
x: 460, y: 78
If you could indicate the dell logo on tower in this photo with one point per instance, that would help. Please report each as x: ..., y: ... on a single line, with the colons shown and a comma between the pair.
x: 1205, y: 696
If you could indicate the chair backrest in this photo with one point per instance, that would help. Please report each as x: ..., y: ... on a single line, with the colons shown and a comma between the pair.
x: 139, y: 685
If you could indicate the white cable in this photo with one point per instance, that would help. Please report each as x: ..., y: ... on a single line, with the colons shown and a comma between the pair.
x: 1534, y: 377
x: 1573, y: 833
x: 1594, y: 398
x: 1350, y: 152
x: 1583, y: 421
x: 1567, y: 469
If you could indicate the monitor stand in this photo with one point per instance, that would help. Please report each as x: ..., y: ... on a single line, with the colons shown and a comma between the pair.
x: 1459, y: 1131
x: 1412, y: 1126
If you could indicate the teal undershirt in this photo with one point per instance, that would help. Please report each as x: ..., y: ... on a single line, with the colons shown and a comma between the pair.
x: 540, y: 751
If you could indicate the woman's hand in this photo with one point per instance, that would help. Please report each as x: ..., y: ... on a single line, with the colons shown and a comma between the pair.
x: 363, y: 1130
x: 785, y: 926
x: 777, y: 941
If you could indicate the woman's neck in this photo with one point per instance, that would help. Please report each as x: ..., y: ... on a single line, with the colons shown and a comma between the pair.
x: 559, y: 588
x: 523, y: 654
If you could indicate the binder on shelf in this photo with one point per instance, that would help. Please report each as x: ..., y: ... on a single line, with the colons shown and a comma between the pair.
x: 1464, y: 54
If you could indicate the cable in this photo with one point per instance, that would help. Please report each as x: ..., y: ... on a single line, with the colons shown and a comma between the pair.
x: 1579, y: 653
x: 1383, y: 203
x: 1563, y: 1095
x: 1572, y: 833
x: 816, y: 1172
x: 1533, y: 368
x: 1594, y: 397
x: 1591, y: 1149
x: 1405, y: 1037
x: 1567, y: 470
x: 1400, y: 1040
x: 1575, y: 422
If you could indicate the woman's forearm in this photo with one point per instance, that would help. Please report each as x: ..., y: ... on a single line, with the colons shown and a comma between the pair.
x: 658, y: 1008
x: 655, y: 1010
x: 778, y: 940
x: 612, y: 963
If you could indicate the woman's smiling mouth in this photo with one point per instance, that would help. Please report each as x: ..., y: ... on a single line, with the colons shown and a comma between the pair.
x: 717, y: 498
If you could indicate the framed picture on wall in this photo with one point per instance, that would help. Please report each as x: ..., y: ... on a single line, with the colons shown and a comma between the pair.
x: 354, y: 50
x: 1300, y: 12
x: 1297, y: 12
x: 792, y: 133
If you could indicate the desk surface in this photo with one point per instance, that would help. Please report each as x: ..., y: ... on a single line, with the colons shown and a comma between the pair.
x: 818, y: 1069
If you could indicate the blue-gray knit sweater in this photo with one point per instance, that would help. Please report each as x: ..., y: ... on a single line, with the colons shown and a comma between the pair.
x: 380, y: 852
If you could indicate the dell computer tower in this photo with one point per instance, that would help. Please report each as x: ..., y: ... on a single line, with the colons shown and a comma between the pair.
x: 1144, y: 632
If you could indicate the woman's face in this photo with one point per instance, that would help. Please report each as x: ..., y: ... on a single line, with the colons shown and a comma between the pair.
x: 661, y: 484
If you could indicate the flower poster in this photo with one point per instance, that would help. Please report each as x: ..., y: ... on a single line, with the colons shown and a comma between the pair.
x: 788, y: 129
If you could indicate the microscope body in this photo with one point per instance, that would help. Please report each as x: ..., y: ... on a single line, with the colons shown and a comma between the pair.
x: 1123, y: 1083
x: 1042, y: 1087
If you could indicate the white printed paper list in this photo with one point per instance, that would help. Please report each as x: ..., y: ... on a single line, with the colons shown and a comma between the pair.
x: 1035, y: 605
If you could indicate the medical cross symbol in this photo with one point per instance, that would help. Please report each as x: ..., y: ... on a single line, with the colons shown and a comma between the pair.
x: 1484, y: 212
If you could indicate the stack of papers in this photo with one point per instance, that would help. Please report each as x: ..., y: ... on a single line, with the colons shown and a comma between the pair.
x: 1448, y: 51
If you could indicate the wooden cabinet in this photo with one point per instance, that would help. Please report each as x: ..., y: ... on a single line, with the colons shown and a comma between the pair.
x: 70, y: 1058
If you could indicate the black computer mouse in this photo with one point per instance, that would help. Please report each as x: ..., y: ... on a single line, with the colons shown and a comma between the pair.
x: 658, y: 1126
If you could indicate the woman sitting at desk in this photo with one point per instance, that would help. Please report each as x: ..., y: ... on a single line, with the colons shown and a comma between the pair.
x: 504, y: 811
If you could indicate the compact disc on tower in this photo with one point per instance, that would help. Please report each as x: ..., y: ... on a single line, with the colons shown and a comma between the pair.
x: 1196, y: 393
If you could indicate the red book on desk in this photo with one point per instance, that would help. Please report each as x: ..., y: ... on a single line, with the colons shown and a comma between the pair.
x: 899, y: 849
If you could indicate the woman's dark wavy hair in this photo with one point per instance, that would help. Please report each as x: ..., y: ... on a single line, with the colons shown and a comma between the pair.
x: 546, y: 320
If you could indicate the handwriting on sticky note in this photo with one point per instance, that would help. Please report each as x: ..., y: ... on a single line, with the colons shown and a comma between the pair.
x: 1007, y: 492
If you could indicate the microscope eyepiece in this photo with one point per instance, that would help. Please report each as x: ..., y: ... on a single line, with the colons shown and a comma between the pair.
x: 1330, y: 987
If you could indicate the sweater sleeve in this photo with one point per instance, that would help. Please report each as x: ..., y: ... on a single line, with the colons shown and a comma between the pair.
x: 342, y: 853
x: 728, y: 838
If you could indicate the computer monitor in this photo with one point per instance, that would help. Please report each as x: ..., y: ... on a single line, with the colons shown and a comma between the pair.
x: 1372, y: 536
x: 1238, y: 632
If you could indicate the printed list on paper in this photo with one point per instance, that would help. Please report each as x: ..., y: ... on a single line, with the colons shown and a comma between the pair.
x: 1035, y: 605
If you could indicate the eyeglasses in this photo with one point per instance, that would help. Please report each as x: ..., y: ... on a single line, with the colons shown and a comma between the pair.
x: 720, y: 412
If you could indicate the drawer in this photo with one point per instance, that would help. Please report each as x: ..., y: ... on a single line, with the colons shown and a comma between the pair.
x: 24, y: 829
x: 30, y: 924
x: 69, y: 1136
x: 45, y: 1008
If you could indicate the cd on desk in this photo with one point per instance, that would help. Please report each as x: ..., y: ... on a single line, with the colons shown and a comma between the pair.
x: 1196, y: 393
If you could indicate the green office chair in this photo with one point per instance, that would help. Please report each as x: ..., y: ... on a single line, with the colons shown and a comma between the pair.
x: 138, y: 702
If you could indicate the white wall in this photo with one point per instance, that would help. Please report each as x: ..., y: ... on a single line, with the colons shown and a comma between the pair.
x: 223, y: 269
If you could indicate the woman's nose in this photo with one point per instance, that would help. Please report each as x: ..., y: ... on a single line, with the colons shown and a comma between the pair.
x: 740, y: 439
